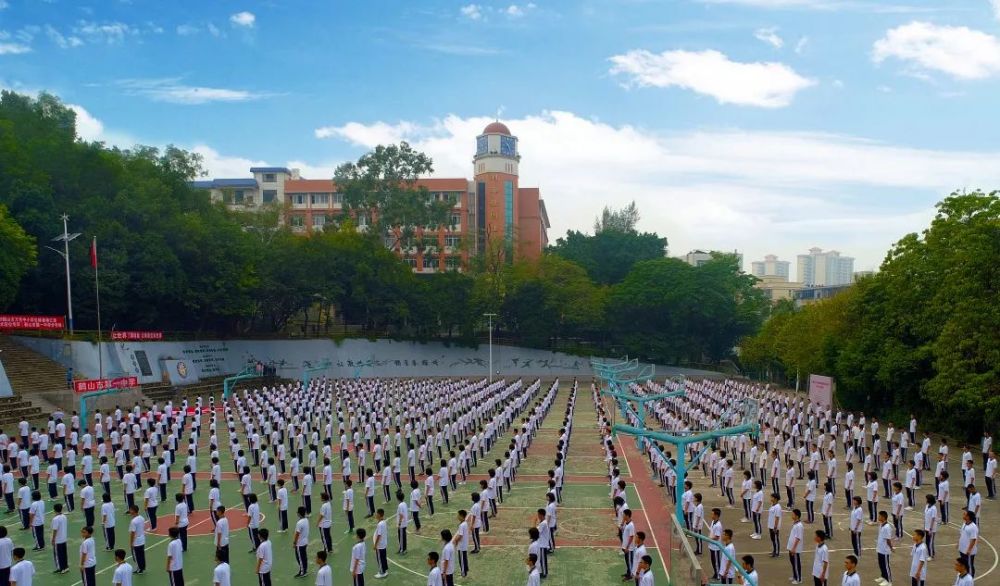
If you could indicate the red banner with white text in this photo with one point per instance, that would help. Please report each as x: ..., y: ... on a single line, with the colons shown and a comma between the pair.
x: 136, y: 336
x: 104, y: 384
x: 32, y: 322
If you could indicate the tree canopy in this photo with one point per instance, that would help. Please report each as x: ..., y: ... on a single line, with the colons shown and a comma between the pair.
x: 920, y: 336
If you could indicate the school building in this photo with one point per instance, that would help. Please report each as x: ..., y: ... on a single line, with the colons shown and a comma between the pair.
x: 490, y: 212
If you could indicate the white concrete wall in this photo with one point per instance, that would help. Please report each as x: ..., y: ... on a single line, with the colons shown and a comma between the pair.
x: 351, y: 358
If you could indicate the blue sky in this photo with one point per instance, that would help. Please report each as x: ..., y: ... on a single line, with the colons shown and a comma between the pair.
x: 766, y: 126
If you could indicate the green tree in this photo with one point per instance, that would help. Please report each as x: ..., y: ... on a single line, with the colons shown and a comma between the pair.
x: 382, y: 187
x: 17, y: 256
x: 609, y: 255
x: 623, y: 220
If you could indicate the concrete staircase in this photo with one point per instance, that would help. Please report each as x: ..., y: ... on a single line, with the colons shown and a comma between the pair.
x: 28, y: 372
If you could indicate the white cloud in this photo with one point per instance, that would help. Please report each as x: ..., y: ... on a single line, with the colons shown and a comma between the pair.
x: 219, y: 165
x: 14, y: 49
x: 769, y: 36
x: 996, y: 8
x: 243, y: 19
x: 958, y: 51
x: 107, y: 32
x: 797, y: 189
x: 187, y: 30
x: 766, y: 85
x: 514, y: 11
x: 62, y: 41
x: 472, y: 11
x: 88, y: 127
x: 172, y: 91
x: 3, y: 4
x: 214, y: 30
x: 801, y: 45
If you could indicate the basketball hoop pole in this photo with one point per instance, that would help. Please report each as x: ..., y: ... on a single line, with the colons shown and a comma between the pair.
x: 83, y: 403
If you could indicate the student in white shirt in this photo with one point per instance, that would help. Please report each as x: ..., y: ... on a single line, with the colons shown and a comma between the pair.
x: 857, y: 524
x: 265, y: 559
x: 88, y: 557
x: 22, y: 571
x: 108, y: 522
x: 300, y: 542
x: 123, y: 571
x: 794, y: 546
x: 932, y: 520
x: 222, y: 574
x: 851, y: 576
x: 175, y: 558
x: 137, y: 538
x: 821, y: 561
x: 402, y: 520
x: 380, y: 543
x: 358, y: 554
x: 884, y: 546
x: 968, y: 541
x: 918, y: 559
x: 434, y: 574
x: 964, y: 577
x: 534, y: 577
x: 324, y: 575
x: 222, y: 531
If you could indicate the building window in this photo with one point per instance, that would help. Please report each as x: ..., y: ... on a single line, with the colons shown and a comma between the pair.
x: 299, y: 199
x: 456, y: 221
x: 362, y: 220
x: 338, y: 199
x: 270, y: 178
x: 452, y: 241
x: 430, y: 261
x: 319, y: 221
x: 270, y: 195
x: 320, y: 199
x: 410, y: 262
x: 296, y: 221
x: 238, y: 196
x: 452, y: 263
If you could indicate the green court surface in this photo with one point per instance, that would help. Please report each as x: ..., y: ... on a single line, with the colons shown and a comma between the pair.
x: 586, y: 541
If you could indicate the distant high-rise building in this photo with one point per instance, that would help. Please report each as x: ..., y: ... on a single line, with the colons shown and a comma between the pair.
x: 825, y: 269
x: 696, y: 258
x: 770, y: 267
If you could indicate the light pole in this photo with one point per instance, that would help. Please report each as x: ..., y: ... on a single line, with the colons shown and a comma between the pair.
x: 490, y: 316
x: 65, y: 237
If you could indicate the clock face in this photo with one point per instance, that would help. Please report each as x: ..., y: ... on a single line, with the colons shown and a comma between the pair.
x: 508, y: 146
x: 480, y: 145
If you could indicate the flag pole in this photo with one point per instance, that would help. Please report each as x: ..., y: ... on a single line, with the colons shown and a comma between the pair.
x: 97, y: 286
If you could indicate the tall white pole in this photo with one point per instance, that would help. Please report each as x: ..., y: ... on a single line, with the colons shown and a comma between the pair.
x: 69, y: 292
x: 97, y: 287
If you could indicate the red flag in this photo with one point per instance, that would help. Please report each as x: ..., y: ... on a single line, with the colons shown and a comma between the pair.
x: 93, y: 253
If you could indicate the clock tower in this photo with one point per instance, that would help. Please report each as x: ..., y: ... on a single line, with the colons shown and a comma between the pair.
x: 495, y: 177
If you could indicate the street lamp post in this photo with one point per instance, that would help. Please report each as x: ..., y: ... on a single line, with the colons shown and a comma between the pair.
x: 65, y: 238
x: 490, y: 316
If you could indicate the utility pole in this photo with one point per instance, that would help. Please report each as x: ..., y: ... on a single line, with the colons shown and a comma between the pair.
x: 65, y: 238
x: 490, y: 316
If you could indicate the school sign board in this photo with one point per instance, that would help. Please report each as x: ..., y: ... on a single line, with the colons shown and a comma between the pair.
x: 821, y: 390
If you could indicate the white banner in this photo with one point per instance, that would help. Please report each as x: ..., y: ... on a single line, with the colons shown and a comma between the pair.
x: 821, y: 390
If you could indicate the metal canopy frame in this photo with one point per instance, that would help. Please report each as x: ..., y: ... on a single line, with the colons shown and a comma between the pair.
x: 614, y: 374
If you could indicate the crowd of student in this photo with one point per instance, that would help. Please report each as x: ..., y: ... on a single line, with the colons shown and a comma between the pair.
x: 804, y: 446
x: 425, y: 435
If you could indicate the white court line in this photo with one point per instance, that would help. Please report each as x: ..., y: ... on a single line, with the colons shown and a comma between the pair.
x: 162, y: 541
